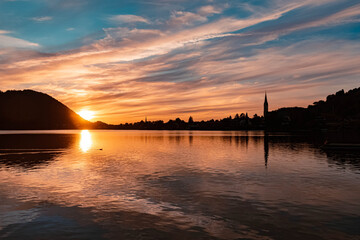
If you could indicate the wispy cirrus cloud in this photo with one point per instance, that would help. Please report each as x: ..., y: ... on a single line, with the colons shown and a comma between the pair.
x: 42, y: 19
x: 4, y: 32
x: 181, y: 18
x: 127, y: 18
x: 210, y: 10
x: 12, y: 42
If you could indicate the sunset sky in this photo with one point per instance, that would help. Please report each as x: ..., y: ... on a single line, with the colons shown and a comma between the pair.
x: 128, y: 59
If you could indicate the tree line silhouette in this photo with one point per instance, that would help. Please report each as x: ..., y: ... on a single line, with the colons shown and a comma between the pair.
x: 238, y: 122
x: 29, y: 109
x: 340, y: 111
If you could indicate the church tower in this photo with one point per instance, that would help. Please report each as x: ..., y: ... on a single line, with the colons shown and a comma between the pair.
x: 266, y: 106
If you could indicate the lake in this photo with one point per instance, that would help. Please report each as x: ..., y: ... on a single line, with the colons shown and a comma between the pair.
x: 175, y: 185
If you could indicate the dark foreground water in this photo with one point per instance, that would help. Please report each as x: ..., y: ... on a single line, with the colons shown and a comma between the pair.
x: 175, y: 185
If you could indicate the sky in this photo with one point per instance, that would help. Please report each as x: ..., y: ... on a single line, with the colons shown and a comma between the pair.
x: 161, y: 59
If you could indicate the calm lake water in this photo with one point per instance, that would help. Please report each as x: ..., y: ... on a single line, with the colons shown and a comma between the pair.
x: 175, y: 185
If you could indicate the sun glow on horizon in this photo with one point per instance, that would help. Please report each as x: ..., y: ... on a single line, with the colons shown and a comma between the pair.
x: 86, y: 114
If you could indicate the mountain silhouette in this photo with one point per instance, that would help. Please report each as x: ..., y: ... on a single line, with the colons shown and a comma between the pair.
x: 29, y: 109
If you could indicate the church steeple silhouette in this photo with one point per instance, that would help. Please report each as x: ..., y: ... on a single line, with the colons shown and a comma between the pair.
x: 266, y: 106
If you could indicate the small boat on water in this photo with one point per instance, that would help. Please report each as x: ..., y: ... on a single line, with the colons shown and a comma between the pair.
x: 341, y: 146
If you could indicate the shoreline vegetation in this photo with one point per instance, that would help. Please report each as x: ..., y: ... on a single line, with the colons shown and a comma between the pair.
x: 338, y: 115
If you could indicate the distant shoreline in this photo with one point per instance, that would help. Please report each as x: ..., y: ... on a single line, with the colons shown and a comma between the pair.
x: 339, y: 115
x: 171, y: 130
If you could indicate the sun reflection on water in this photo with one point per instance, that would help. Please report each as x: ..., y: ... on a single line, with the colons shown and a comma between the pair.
x: 85, y: 141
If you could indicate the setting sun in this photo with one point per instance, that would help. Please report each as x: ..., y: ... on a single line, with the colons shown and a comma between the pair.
x: 87, y: 115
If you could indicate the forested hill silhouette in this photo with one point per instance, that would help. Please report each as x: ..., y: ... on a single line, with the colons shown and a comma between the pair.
x: 340, y: 110
x: 29, y: 109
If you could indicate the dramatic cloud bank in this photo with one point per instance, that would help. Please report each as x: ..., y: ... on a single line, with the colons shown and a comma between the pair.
x: 162, y: 59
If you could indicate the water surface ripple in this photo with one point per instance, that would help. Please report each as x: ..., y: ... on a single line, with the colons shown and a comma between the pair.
x: 175, y: 185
